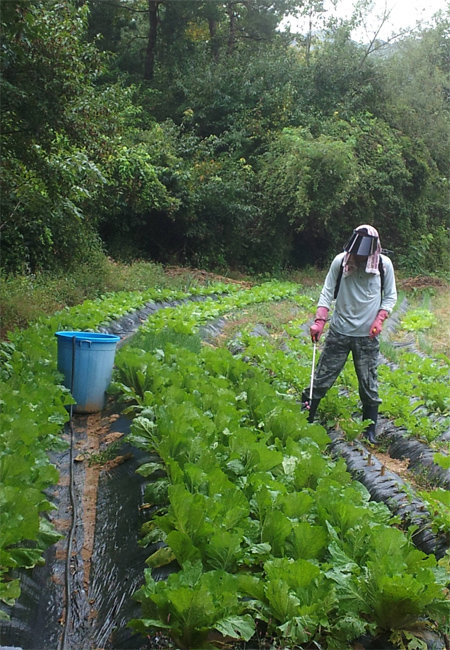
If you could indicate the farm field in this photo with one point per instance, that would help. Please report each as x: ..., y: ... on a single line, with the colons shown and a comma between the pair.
x: 177, y: 177
x: 252, y: 528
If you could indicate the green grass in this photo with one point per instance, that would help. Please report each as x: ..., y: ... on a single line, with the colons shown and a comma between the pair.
x: 23, y: 298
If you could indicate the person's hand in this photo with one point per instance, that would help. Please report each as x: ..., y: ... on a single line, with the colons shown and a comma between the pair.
x: 319, y: 323
x: 377, y: 324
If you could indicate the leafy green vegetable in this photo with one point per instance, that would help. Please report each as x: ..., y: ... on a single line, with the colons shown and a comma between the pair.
x: 192, y: 603
x: 417, y: 319
x: 253, y: 495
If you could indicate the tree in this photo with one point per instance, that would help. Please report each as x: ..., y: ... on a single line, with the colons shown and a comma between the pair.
x: 169, y: 28
x: 196, y: 131
x: 416, y: 78
x: 305, y: 180
x: 59, y: 130
x: 314, y: 188
x: 142, y: 195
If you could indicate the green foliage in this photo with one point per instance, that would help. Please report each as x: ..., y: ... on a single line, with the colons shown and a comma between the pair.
x: 438, y: 502
x: 414, y: 384
x: 395, y: 597
x: 224, y: 215
x: 414, y: 76
x: 47, y: 74
x: 442, y: 460
x: 353, y: 429
x: 247, y: 495
x: 417, y: 319
x: 240, y: 110
x: 262, y: 523
x: 427, y: 252
x: 25, y: 298
x: 141, y: 195
x: 343, y: 79
x: 362, y: 168
x: 194, y: 602
x: 359, y: 169
x: 395, y: 180
x: 240, y: 148
x: 64, y: 145
x: 305, y: 180
x: 152, y: 341
x: 32, y: 414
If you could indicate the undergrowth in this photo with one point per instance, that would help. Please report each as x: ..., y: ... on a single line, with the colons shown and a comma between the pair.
x: 24, y: 298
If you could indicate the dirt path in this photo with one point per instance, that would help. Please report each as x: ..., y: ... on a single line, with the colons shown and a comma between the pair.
x: 92, y: 451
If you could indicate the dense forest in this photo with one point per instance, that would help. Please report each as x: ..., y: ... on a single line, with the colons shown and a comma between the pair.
x: 203, y: 133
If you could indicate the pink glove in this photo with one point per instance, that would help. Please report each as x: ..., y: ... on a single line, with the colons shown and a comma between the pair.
x: 377, y: 324
x: 319, y: 323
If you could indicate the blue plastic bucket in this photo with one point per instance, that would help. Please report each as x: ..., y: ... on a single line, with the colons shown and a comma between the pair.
x: 90, y: 375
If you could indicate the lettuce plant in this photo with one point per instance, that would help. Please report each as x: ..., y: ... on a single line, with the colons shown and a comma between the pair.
x: 251, y: 492
x: 191, y: 604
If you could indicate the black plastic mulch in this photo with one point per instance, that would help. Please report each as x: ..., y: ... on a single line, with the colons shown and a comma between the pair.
x: 99, y: 618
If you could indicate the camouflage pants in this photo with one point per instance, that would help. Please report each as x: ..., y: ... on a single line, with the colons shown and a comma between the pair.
x: 365, y: 360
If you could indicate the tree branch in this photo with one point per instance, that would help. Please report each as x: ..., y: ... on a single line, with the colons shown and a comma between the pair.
x: 120, y: 6
x: 374, y: 44
x: 8, y: 219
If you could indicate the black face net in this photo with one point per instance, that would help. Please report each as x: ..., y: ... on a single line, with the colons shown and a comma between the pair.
x: 361, y: 244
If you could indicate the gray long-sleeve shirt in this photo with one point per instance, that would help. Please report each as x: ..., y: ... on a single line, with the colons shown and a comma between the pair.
x: 359, y: 299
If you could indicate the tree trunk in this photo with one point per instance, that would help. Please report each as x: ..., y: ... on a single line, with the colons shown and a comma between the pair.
x: 308, y: 41
x: 151, y: 42
x: 213, y: 38
x: 232, y: 32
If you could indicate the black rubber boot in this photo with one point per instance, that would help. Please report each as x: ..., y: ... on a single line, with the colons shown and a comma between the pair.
x: 370, y: 413
x: 310, y: 406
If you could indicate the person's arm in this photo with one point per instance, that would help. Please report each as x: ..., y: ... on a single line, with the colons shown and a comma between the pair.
x: 325, y: 299
x: 390, y: 291
x: 327, y: 294
x: 388, y: 300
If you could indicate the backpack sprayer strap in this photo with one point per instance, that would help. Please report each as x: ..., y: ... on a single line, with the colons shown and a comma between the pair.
x: 341, y: 269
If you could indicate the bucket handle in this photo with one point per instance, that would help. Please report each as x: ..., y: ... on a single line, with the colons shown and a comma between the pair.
x: 85, y: 341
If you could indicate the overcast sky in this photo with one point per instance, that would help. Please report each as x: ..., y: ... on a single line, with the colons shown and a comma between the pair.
x: 403, y: 14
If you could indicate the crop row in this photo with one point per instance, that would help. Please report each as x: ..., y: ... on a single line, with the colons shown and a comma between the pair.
x: 402, y: 388
x: 289, y: 358
x: 32, y: 414
x: 34, y: 410
x: 267, y: 531
x: 33, y: 407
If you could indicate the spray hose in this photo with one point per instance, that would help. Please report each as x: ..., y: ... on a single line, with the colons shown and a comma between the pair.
x: 68, y: 580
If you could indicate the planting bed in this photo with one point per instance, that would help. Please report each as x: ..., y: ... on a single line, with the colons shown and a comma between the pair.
x: 378, y: 473
x: 82, y: 597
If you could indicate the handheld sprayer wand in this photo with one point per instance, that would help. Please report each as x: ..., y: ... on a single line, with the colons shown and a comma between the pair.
x: 312, y: 371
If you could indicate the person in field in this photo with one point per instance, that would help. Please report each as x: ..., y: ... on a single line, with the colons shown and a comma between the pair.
x: 362, y: 282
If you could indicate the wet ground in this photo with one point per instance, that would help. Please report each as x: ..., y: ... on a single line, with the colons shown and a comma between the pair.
x: 82, y: 597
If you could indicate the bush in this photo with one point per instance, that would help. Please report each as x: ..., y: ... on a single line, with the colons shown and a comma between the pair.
x: 24, y: 298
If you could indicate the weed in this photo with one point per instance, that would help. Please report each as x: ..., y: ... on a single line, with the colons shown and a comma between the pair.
x: 103, y: 456
x: 24, y: 298
x: 389, y: 351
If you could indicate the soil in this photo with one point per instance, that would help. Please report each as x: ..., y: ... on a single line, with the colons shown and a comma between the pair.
x: 98, y: 434
x: 421, y: 282
x: 203, y: 277
x: 400, y: 467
